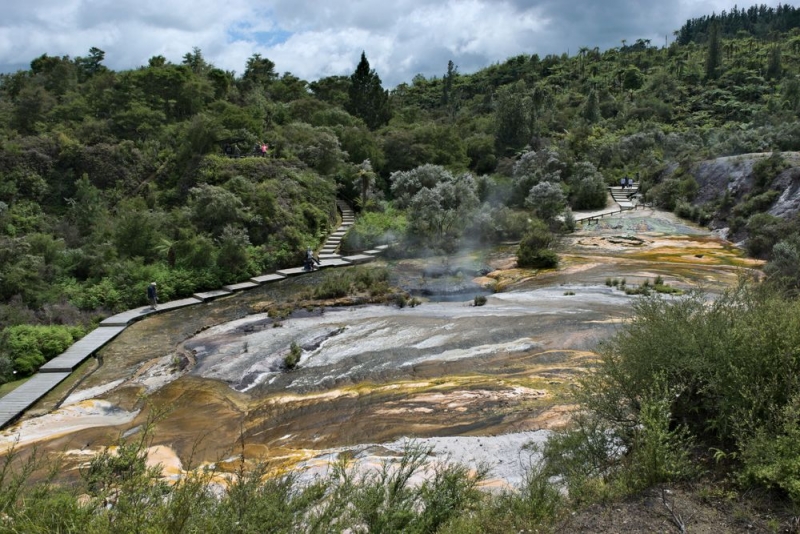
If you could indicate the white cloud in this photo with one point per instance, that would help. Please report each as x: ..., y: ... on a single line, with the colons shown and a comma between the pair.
x: 315, y: 39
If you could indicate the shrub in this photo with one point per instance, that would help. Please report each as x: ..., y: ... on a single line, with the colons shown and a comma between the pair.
x: 756, y: 204
x: 291, y: 360
x: 763, y: 232
x: 479, y: 300
x: 373, y: 280
x: 784, y: 267
x: 400, y: 300
x: 372, y: 229
x: 694, y: 213
x: 385, y: 501
x: 333, y: 287
x: 30, y: 347
x: 766, y: 170
x: 534, y: 250
x: 590, y: 193
x: 722, y: 374
x: 541, y: 259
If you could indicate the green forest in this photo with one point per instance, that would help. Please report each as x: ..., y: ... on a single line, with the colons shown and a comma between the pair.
x: 193, y: 177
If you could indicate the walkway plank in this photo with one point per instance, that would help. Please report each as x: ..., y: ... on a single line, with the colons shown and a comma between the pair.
x: 28, y: 393
x: 263, y: 279
x: 335, y: 262
x: 81, y: 350
x: 359, y: 258
x: 240, y: 286
x: 294, y: 271
x: 130, y: 316
x: 211, y: 295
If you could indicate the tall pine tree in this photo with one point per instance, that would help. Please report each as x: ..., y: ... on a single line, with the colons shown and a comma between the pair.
x: 714, y: 53
x: 366, y: 97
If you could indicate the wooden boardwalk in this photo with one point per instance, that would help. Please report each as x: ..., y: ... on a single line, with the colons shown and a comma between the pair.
x: 22, y: 398
x: 211, y: 295
x: 359, y: 258
x: 130, y: 316
x: 267, y: 278
x: 240, y: 286
x: 81, y: 350
x: 59, y: 368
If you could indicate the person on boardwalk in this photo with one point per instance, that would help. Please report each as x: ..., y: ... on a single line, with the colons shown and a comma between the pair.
x: 152, y: 296
x: 622, y: 182
x: 310, y: 260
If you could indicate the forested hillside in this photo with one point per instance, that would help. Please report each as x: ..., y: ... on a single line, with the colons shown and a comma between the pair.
x: 111, y: 180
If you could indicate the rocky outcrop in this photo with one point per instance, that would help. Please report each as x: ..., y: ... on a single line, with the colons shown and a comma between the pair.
x: 735, y: 175
x: 788, y: 204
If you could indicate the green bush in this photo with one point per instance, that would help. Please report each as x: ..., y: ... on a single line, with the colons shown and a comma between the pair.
x: 769, y: 458
x: 539, y: 259
x: 372, y: 229
x: 766, y: 170
x: 400, y: 300
x: 29, y: 347
x: 694, y: 213
x: 291, y: 360
x: 756, y: 204
x: 333, y: 287
x: 348, y: 281
x: 534, y: 249
x: 722, y: 374
x: 763, y: 232
x: 783, y: 269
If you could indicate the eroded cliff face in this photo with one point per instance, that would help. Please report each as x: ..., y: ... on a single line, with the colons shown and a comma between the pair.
x: 735, y: 175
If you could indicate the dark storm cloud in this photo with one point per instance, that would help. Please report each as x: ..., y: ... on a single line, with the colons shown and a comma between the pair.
x: 314, y: 39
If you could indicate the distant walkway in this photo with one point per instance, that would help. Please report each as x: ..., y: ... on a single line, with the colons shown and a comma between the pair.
x: 59, y: 368
x: 624, y: 198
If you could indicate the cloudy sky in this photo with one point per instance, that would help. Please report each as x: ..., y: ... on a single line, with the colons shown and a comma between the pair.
x: 313, y: 39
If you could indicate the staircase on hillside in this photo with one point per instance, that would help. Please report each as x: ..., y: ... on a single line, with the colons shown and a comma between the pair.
x: 624, y: 196
x: 330, y: 250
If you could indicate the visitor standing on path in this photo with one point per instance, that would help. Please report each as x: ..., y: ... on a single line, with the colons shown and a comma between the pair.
x: 152, y: 296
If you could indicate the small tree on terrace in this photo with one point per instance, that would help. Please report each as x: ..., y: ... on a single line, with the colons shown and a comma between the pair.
x: 406, y: 184
x: 365, y: 177
x: 438, y: 215
x: 589, y: 188
x: 546, y: 200
x: 535, y: 249
x: 532, y: 168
